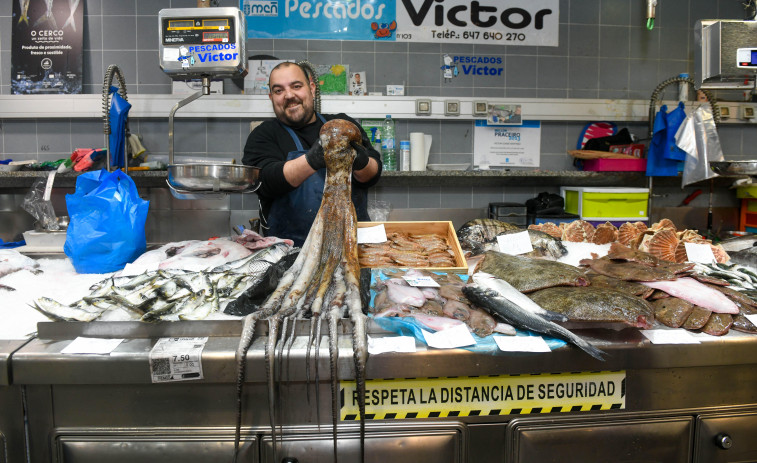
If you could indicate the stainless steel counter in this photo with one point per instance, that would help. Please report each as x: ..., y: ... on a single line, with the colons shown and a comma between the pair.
x: 677, y: 399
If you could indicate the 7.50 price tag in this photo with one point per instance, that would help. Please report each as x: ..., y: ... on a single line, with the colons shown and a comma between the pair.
x: 177, y: 359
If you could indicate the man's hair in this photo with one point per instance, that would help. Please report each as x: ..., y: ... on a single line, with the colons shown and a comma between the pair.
x: 285, y: 64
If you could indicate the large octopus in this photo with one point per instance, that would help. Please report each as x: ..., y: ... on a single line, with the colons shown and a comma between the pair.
x: 325, y: 278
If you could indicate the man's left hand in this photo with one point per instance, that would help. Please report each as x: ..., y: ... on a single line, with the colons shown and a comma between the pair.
x: 361, y: 158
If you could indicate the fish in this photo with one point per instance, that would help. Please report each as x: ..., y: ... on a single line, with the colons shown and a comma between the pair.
x: 697, y: 293
x: 58, y: 311
x: 741, y: 323
x: 527, y: 274
x: 672, y: 311
x: 629, y: 287
x: 544, y: 244
x: 596, y: 305
x: 512, y: 313
x: 489, y: 281
x: 24, y: 17
x: 47, y: 17
x: 746, y: 257
x: 697, y: 318
x: 13, y: 261
x: 718, y: 324
x: 479, y: 231
x: 628, y: 270
x: 71, y: 21
x: 739, y: 243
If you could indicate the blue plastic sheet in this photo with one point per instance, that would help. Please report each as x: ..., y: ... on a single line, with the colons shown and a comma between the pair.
x: 107, y: 222
x: 409, y: 326
x: 11, y: 244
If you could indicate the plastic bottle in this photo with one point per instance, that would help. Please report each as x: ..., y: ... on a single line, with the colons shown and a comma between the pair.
x: 683, y: 88
x: 405, y: 155
x: 388, y: 149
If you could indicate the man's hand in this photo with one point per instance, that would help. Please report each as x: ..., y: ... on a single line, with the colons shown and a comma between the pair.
x: 361, y: 159
x: 314, y: 156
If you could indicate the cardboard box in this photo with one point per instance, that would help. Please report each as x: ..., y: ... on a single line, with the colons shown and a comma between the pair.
x: 445, y: 229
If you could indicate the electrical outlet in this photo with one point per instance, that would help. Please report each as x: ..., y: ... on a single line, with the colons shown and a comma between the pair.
x: 423, y: 107
x: 451, y: 107
x: 480, y: 108
x: 747, y: 112
x: 725, y: 112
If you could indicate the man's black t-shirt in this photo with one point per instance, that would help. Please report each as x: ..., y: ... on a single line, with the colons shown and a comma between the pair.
x: 268, y: 145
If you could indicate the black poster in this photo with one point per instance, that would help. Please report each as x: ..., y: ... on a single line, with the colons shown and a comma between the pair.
x: 46, y: 50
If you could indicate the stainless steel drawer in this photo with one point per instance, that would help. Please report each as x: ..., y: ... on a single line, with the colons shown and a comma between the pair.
x: 726, y: 438
x: 422, y: 443
x: 144, y: 445
x: 594, y: 439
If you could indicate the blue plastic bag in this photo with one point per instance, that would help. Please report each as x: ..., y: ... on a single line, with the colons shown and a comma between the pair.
x: 661, y: 156
x: 107, y: 222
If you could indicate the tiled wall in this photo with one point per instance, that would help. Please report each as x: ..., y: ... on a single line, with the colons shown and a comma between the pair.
x: 605, y: 51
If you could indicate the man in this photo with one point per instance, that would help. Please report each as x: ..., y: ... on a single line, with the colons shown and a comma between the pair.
x: 289, y: 153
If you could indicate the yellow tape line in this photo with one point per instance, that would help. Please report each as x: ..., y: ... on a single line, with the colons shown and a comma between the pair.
x: 449, y: 397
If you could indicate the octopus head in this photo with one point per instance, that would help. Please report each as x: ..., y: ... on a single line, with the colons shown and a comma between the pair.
x: 336, y: 136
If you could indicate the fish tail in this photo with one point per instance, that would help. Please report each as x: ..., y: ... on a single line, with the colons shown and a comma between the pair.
x: 24, y: 18
x: 587, y: 347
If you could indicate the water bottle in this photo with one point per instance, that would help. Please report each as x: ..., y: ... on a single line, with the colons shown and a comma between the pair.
x: 388, y: 150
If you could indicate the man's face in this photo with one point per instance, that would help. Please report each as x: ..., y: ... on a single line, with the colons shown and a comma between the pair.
x: 292, y: 96
x: 357, y: 79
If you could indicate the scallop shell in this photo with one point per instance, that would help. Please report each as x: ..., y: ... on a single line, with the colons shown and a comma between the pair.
x: 578, y: 231
x: 641, y: 226
x: 690, y: 235
x: 663, y: 244
x: 627, y: 233
x: 552, y: 230
x: 680, y: 253
x: 640, y: 242
x: 721, y: 256
x: 605, y: 233
x: 664, y: 223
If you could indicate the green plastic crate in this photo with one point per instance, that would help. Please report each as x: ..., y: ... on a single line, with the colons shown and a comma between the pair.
x: 613, y: 203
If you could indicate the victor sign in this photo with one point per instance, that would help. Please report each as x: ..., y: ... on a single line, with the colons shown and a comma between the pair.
x: 511, y: 22
x: 502, y: 22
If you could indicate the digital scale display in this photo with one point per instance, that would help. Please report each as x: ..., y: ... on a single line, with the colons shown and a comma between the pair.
x: 746, y: 58
x: 198, y: 30
x: 215, y: 36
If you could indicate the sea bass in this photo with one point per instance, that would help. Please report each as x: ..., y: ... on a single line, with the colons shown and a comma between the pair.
x: 512, y: 313
x: 488, y: 281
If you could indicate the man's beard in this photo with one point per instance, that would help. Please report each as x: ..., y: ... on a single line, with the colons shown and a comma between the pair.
x: 303, y: 119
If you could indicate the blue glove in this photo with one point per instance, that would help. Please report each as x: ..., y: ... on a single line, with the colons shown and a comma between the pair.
x: 314, y: 156
x: 362, y: 158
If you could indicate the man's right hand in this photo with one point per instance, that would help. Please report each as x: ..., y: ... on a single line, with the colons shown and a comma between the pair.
x: 314, y: 156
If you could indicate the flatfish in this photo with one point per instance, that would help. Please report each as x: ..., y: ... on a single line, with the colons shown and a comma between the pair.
x: 627, y: 270
x: 629, y: 287
x: 527, y: 274
x: 601, y: 305
x: 671, y: 311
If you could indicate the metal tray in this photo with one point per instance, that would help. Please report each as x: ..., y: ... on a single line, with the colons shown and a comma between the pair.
x: 734, y: 167
x: 214, y: 177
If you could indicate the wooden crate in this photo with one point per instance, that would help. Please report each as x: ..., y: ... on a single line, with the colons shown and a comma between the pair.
x: 444, y: 228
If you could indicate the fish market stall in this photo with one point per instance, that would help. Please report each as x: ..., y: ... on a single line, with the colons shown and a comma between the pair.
x: 664, y: 402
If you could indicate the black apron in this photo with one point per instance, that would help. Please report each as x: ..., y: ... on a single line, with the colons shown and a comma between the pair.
x: 292, y: 215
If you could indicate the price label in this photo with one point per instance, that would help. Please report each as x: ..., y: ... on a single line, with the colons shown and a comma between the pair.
x: 421, y: 280
x: 177, y: 359
x: 699, y: 252
x: 375, y: 234
x: 515, y: 243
